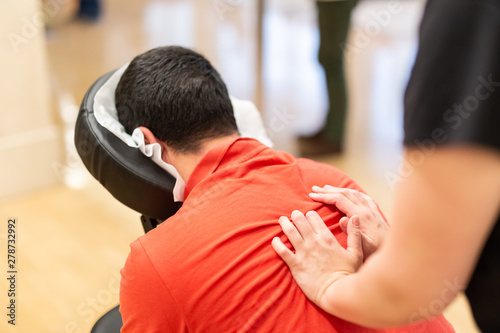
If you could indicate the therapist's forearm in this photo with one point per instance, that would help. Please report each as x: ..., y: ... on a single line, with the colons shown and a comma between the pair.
x: 441, y: 220
x: 372, y: 298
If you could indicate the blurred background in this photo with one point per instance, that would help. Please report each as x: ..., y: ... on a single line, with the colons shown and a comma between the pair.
x: 72, y: 236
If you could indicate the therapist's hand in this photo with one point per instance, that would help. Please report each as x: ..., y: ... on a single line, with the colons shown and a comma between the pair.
x: 319, y: 260
x: 373, y: 225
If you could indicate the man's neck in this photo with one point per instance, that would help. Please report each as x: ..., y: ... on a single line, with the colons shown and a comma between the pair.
x: 185, y: 163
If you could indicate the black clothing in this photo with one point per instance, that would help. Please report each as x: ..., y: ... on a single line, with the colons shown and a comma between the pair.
x: 453, y: 97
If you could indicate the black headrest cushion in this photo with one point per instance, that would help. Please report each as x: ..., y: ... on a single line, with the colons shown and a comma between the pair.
x: 131, y: 177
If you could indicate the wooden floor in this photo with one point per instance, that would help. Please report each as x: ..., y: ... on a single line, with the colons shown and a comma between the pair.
x: 72, y: 241
x: 71, y: 245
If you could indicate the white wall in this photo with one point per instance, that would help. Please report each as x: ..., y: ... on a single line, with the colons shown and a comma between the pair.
x: 30, y: 140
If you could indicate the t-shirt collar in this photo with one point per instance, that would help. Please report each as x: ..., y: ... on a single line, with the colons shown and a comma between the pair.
x: 239, y: 150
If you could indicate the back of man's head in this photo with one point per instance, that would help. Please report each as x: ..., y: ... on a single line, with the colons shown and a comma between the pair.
x: 178, y: 95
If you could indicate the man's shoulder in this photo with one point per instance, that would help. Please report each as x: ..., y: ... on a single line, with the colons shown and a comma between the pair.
x: 308, y: 163
x: 321, y: 174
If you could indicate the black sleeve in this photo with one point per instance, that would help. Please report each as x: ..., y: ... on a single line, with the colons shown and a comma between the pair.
x: 453, y: 96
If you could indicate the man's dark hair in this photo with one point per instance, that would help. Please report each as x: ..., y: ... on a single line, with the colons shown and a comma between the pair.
x: 178, y: 95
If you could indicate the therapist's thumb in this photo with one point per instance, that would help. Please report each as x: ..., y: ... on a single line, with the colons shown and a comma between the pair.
x: 354, y: 241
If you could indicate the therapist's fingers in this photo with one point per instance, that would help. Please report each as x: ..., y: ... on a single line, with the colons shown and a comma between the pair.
x: 350, y: 202
x: 284, y: 252
x: 341, y: 198
x: 343, y: 224
x: 355, y: 196
x: 360, y: 197
x: 319, y: 225
x: 370, y: 202
x: 351, y: 194
x: 354, y: 241
x: 291, y: 232
x: 303, y: 225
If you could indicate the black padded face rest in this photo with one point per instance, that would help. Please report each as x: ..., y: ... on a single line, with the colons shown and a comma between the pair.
x: 131, y: 177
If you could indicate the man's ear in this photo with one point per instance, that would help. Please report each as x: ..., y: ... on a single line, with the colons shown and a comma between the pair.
x: 149, y: 138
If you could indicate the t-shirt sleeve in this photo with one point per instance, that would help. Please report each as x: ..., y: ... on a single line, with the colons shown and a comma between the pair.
x: 453, y: 96
x: 146, y: 304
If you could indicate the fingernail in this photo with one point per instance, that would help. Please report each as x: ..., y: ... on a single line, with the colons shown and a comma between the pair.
x: 313, y: 194
x: 316, y: 188
x: 355, y: 221
x: 310, y: 212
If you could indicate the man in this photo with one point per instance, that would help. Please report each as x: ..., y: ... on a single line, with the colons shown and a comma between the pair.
x: 209, y: 268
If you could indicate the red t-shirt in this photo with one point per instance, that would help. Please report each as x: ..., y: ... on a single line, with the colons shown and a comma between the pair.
x: 211, y: 266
